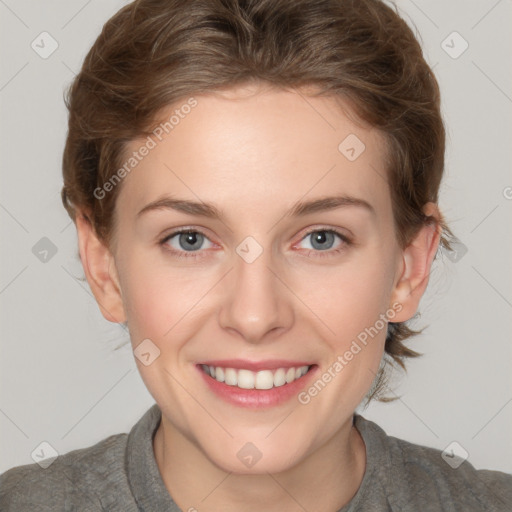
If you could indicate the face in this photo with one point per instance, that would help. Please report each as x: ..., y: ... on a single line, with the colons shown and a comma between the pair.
x: 268, y: 282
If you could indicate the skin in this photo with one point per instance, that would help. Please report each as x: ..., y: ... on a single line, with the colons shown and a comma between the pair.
x: 254, y: 152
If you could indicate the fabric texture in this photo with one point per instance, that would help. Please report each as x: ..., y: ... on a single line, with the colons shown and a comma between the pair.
x: 120, y: 473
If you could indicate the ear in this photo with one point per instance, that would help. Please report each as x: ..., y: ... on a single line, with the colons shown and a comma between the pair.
x: 414, y: 269
x: 100, y: 271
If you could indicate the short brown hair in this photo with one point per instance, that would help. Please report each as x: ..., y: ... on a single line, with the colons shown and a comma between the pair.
x: 153, y: 53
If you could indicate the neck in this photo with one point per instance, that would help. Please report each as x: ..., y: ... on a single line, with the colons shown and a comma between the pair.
x: 327, y: 479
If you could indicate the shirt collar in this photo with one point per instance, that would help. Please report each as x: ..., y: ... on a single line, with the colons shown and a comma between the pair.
x: 144, y: 477
x: 150, y: 493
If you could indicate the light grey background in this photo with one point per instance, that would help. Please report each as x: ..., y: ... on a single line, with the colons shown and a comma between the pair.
x: 60, y: 379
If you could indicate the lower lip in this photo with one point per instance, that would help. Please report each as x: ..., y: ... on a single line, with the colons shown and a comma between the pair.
x: 257, y: 398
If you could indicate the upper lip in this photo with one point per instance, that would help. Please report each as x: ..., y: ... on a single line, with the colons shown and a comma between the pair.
x: 255, y: 366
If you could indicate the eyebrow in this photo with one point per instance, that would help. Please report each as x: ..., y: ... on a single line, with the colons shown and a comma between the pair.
x: 299, y: 209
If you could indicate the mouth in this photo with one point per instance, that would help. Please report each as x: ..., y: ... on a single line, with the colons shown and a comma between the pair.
x: 256, y: 385
x: 247, y: 379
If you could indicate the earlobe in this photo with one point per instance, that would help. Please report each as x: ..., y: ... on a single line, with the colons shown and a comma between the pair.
x: 416, y: 263
x: 100, y: 271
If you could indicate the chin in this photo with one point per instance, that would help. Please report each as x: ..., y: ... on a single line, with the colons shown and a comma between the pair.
x: 241, y: 456
x: 274, y: 464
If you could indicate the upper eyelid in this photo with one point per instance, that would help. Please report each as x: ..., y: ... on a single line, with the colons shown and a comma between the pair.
x: 180, y: 231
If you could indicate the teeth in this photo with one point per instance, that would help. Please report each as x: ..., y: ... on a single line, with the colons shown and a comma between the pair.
x: 246, y: 379
x: 219, y: 374
x: 230, y: 377
x: 264, y: 380
x: 279, y: 378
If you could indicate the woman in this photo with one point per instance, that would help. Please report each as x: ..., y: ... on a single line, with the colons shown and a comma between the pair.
x: 255, y: 186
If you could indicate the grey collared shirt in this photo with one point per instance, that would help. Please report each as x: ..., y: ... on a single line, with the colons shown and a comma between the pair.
x: 120, y: 474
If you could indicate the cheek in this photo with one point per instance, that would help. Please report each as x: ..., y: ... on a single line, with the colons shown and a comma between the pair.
x: 159, y: 301
x: 352, y: 296
x: 360, y: 322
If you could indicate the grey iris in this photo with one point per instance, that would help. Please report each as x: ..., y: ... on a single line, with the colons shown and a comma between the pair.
x: 320, y: 237
x: 194, y: 239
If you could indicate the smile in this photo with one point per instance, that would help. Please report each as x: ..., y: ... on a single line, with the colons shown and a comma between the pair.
x: 263, y: 379
x: 256, y: 385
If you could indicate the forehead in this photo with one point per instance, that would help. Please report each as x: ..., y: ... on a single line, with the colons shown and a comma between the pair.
x: 258, y: 148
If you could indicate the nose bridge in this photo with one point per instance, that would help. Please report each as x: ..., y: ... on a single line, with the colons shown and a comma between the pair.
x: 255, y: 304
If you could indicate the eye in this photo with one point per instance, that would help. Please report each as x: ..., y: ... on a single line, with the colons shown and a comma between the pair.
x: 323, y: 240
x: 185, y: 241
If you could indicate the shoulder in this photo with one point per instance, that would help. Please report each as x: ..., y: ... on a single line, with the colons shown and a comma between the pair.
x: 422, y: 476
x: 77, y: 480
x: 428, y: 474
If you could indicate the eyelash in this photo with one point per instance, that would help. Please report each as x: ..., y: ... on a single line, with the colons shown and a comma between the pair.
x: 197, y: 254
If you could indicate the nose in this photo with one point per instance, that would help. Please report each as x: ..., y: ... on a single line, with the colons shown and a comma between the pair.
x: 256, y: 305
